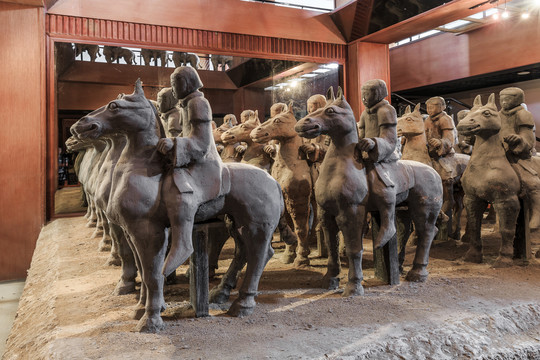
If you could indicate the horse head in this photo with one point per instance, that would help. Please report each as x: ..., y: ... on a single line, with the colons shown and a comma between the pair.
x: 279, y: 127
x: 482, y: 120
x: 335, y: 118
x: 411, y: 123
x: 126, y: 114
x: 241, y: 132
x: 229, y: 121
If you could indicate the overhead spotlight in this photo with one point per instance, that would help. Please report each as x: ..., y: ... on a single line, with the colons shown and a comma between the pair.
x: 525, y: 15
x: 505, y: 14
x: 496, y: 14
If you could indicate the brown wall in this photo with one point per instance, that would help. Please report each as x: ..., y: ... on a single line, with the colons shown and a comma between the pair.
x: 500, y: 46
x: 22, y: 114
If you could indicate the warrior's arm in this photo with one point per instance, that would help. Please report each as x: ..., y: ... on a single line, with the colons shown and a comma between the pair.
x: 526, y: 138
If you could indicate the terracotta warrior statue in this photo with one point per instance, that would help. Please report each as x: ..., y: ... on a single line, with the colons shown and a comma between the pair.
x: 313, y: 150
x: 195, y: 148
x: 272, y: 146
x: 246, y: 115
x: 518, y: 136
x: 169, y: 113
x: 440, y: 134
x: 377, y: 146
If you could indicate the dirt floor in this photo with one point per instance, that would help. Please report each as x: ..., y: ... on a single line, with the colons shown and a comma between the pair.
x: 463, y: 311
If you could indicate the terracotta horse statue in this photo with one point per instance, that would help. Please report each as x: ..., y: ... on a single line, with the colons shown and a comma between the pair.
x: 489, y: 178
x: 344, y: 193
x: 411, y: 126
x: 136, y: 202
x: 293, y: 174
x: 227, y: 151
x: 253, y: 153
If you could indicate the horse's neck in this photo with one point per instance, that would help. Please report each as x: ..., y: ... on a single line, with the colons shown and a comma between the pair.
x: 342, y: 145
x: 288, y: 150
x: 487, y: 150
x: 140, y: 146
x: 416, y: 149
x: 253, y: 149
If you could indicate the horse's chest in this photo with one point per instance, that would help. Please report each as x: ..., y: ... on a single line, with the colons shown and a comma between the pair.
x: 290, y: 175
x: 135, y: 196
x: 489, y: 181
x: 340, y: 183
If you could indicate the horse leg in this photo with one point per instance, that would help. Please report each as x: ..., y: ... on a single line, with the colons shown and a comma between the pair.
x: 475, y: 210
x: 150, y: 242
x: 404, y: 229
x: 257, y: 240
x: 105, y: 243
x: 126, y: 284
x: 330, y: 228
x: 288, y: 236
x: 216, y: 240
x: 92, y: 218
x: 299, y: 211
x: 507, y: 212
x: 424, y: 215
x: 99, y: 226
x: 456, y: 214
x: 350, y: 222
x: 220, y: 294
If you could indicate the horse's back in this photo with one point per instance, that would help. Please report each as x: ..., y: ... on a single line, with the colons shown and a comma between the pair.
x: 427, y: 187
x: 255, y: 191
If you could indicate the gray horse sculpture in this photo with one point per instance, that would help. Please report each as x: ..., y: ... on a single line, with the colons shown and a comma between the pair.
x: 253, y: 200
x: 344, y: 188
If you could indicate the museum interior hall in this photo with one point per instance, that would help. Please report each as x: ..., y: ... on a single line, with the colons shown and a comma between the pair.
x: 270, y: 179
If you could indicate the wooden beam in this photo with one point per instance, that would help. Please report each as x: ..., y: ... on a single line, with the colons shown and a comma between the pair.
x: 444, y: 14
x: 232, y: 16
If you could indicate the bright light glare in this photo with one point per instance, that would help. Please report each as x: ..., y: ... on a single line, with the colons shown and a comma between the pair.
x: 525, y: 15
x: 321, y: 71
x: 332, y: 65
x: 309, y: 75
x: 505, y: 14
x: 294, y: 83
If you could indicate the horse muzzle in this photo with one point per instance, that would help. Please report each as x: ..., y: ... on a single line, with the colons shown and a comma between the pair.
x: 308, y: 129
x: 87, y: 129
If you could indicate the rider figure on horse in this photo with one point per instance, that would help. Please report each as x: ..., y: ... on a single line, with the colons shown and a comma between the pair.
x: 378, y: 140
x: 441, y: 138
x: 518, y: 135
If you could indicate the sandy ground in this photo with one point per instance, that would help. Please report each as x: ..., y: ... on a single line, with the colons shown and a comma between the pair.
x: 463, y: 311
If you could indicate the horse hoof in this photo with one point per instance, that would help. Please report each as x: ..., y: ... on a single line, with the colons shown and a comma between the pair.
x: 218, y: 296
x: 287, y: 258
x: 113, y: 261
x: 138, y: 312
x: 97, y: 233
x: 150, y: 325
x: 417, y: 275
x: 503, y: 262
x: 124, y: 288
x: 301, y: 262
x: 238, y: 309
x: 473, y: 256
x: 91, y: 224
x: 330, y: 282
x: 103, y: 246
x: 353, y: 289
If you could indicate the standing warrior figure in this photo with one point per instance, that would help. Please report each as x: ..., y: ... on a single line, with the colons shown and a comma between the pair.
x: 193, y: 153
x: 440, y: 134
x: 377, y: 145
x: 518, y: 135
x: 313, y: 150
x: 169, y: 113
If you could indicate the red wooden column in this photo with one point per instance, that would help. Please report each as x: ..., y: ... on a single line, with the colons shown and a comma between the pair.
x: 365, y: 61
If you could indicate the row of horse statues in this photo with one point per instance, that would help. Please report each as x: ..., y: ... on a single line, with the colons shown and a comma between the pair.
x: 154, y: 170
x: 113, y: 54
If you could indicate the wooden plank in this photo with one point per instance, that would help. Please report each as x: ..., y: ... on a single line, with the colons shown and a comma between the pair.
x: 233, y: 16
x: 22, y: 179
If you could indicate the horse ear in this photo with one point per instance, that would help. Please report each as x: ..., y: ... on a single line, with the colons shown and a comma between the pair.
x: 138, y: 87
x: 290, y: 107
x: 408, y: 109
x: 330, y: 95
x: 256, y: 115
x: 477, y: 101
x: 339, y: 93
x: 417, y: 108
x: 491, y: 101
